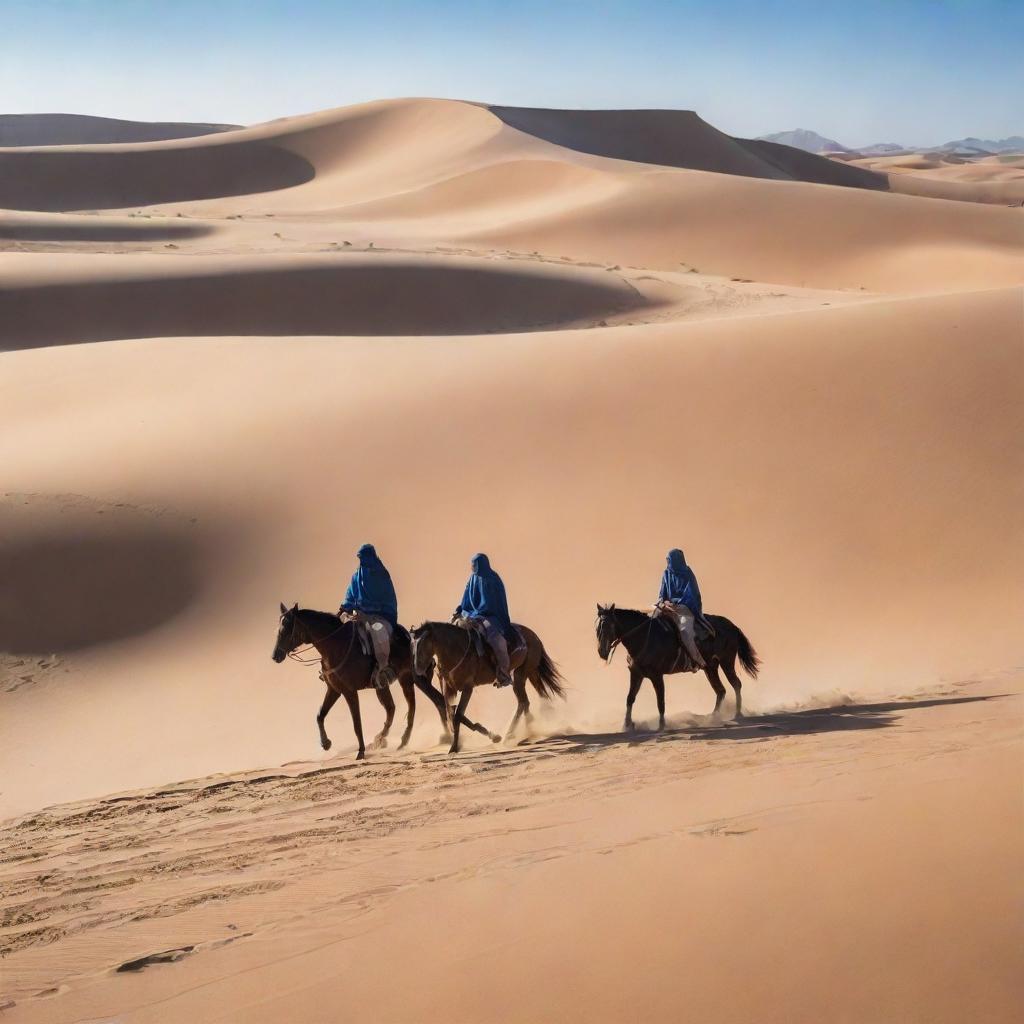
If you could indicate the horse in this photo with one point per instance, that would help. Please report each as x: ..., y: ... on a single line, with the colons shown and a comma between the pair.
x: 654, y: 651
x: 346, y: 670
x: 461, y: 667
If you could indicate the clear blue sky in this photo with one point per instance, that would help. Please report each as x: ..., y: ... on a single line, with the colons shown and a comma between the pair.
x: 860, y: 71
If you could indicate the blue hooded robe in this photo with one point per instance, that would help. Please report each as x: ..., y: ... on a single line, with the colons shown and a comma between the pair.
x: 371, y: 590
x: 678, y: 584
x: 484, y: 597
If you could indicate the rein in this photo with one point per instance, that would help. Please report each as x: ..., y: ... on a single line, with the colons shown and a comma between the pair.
x: 325, y: 668
x: 448, y: 673
x: 629, y: 632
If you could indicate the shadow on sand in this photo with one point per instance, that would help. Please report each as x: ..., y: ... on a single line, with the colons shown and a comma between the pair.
x: 780, y: 723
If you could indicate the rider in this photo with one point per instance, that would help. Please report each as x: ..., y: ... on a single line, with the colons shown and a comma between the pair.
x: 370, y: 600
x: 485, y: 607
x: 680, y: 599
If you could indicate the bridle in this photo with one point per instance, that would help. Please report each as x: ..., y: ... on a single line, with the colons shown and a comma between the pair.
x: 447, y: 674
x: 324, y: 667
x: 617, y: 640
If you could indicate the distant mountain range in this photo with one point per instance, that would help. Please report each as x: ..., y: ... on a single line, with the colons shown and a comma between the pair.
x: 812, y: 142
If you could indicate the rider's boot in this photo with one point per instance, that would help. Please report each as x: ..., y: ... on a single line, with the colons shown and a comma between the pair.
x: 383, y: 674
x: 693, y: 651
x: 503, y: 674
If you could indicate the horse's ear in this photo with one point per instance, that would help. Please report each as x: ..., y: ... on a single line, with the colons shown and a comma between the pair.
x: 611, y: 607
x: 283, y: 609
x: 295, y: 607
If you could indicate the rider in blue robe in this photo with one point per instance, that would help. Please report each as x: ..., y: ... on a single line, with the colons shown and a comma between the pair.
x: 484, y: 606
x: 371, y: 601
x: 679, y: 597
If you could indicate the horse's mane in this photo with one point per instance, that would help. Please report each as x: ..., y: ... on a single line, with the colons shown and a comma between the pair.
x: 631, y: 613
x: 430, y: 623
x: 310, y: 616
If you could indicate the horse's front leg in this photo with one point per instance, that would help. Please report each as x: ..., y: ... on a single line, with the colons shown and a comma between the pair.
x: 457, y: 718
x: 380, y: 741
x: 658, y: 682
x: 636, y: 677
x: 409, y: 692
x: 352, y: 699
x: 329, y: 700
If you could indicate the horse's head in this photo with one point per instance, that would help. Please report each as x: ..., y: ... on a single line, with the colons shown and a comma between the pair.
x: 607, y: 631
x: 422, y: 650
x: 289, y: 633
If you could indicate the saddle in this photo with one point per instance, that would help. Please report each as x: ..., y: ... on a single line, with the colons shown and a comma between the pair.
x: 704, y: 632
x: 515, y: 640
x: 399, y: 638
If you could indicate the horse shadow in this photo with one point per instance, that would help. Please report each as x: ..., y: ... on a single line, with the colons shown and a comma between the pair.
x: 806, y: 722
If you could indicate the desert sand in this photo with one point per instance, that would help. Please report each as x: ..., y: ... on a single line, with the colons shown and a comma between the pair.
x: 572, y: 340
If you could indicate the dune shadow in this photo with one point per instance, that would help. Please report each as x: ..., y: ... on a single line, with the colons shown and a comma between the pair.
x: 373, y: 297
x: 77, y: 589
x: 100, y: 231
x: 62, y: 180
x: 813, y: 721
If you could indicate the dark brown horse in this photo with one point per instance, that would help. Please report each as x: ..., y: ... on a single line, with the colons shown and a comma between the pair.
x: 461, y: 667
x: 653, y: 652
x: 346, y: 670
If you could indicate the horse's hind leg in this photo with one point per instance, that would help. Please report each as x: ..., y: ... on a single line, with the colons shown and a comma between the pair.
x: 711, y: 671
x: 409, y: 692
x: 480, y: 728
x: 523, y: 706
x: 734, y: 680
x: 329, y: 701
x: 352, y: 699
x: 380, y: 741
x: 457, y: 718
x: 636, y: 677
x: 658, y: 682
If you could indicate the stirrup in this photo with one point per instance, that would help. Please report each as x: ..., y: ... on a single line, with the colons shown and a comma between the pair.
x: 383, y: 676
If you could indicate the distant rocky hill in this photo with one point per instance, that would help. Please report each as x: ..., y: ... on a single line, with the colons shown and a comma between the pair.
x: 801, y: 138
x: 1011, y: 144
x: 84, y: 129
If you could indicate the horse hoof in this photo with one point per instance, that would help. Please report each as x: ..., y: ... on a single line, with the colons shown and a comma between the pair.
x: 446, y: 737
x: 495, y: 738
x: 361, y: 756
x: 326, y: 744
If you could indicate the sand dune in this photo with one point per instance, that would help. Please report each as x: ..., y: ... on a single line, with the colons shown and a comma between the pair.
x: 443, y: 330
x: 83, y: 129
x: 679, y: 138
x: 355, y: 294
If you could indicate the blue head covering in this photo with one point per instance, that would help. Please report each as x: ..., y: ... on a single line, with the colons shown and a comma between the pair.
x: 678, y: 584
x: 484, y: 596
x: 371, y: 590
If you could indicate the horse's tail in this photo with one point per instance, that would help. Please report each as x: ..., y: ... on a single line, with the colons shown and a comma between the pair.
x: 747, y: 655
x: 547, y: 680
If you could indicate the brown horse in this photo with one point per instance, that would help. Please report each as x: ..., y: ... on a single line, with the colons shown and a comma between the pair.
x: 654, y: 652
x: 453, y: 649
x: 346, y: 670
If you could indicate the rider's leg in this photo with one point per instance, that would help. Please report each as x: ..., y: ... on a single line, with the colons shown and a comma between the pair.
x: 496, y: 638
x: 380, y: 637
x: 688, y: 635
